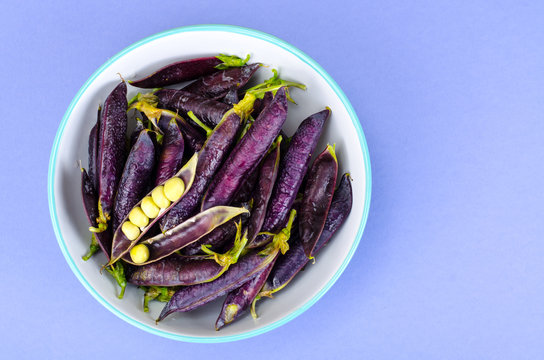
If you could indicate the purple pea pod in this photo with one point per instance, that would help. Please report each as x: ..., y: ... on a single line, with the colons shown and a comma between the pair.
x: 248, y: 267
x: 260, y: 104
x: 171, y: 157
x: 243, y: 195
x: 209, y: 111
x: 177, y: 270
x: 160, y: 118
x: 290, y: 264
x: 187, y: 70
x: 93, y: 151
x: 293, y: 167
x: 210, y: 158
x: 248, y: 153
x: 239, y: 300
x: 122, y: 243
x: 136, y: 177
x: 317, y: 198
x: 111, y: 152
x: 218, y: 84
x: 231, y: 97
x: 101, y: 235
x: 267, y: 178
x: 194, y: 228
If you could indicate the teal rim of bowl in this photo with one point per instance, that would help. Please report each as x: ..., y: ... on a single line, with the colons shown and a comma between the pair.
x: 237, y: 30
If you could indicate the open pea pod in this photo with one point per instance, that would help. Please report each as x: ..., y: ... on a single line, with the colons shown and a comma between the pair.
x: 147, y: 212
x: 189, y: 231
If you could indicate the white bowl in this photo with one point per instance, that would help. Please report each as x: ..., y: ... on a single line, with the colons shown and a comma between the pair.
x: 343, y: 128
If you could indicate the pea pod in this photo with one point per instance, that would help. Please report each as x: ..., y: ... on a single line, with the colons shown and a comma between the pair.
x: 136, y: 177
x: 248, y: 153
x: 239, y: 300
x: 121, y: 242
x: 317, y: 198
x: 187, y: 70
x: 210, y: 158
x: 267, y: 178
x: 176, y: 270
x: 93, y: 151
x: 243, y: 195
x: 293, y: 167
x: 231, y: 97
x: 290, y: 264
x: 249, y: 266
x: 101, y: 236
x: 111, y: 152
x: 140, y: 125
x: 218, y: 84
x: 161, y: 118
x: 171, y: 156
x: 165, y: 244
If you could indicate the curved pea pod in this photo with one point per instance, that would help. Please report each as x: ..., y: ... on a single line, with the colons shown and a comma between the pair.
x: 218, y: 84
x: 210, y: 158
x: 267, y: 178
x: 317, y: 198
x: 260, y: 104
x: 160, y: 118
x: 248, y: 153
x: 101, y: 235
x: 249, y: 266
x: 243, y: 195
x: 293, y: 167
x: 171, y: 157
x: 93, y: 151
x: 290, y: 264
x: 209, y: 111
x: 239, y: 300
x: 136, y: 177
x: 121, y: 243
x: 215, y: 239
x: 138, y: 128
x: 111, y: 152
x: 189, y: 231
x: 187, y: 70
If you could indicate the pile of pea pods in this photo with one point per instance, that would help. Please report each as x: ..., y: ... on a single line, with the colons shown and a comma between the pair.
x: 206, y: 196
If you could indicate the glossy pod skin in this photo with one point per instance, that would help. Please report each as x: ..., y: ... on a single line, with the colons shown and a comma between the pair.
x: 136, y: 132
x: 293, y: 167
x: 215, y: 239
x: 111, y: 158
x: 231, y: 97
x: 210, y: 158
x: 93, y: 151
x: 192, y: 297
x: 218, y: 84
x: 239, y: 300
x: 248, y: 153
x: 121, y: 244
x: 260, y: 104
x: 136, y: 177
x: 161, y: 118
x: 317, y: 198
x: 191, y: 230
x: 245, y: 192
x: 171, y: 157
x: 90, y: 202
x: 267, y: 178
x: 174, y: 270
x: 178, y: 72
x: 290, y: 264
x: 209, y: 111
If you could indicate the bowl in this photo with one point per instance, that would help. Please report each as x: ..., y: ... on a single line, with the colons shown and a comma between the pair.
x: 70, y: 146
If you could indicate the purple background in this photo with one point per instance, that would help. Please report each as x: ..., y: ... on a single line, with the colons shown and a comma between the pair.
x: 451, y: 100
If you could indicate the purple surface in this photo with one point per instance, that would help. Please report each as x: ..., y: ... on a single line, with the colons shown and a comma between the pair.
x: 450, y: 97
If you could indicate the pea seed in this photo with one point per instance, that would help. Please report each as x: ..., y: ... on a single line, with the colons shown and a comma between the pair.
x: 174, y: 188
x: 159, y: 198
x: 137, y: 217
x: 130, y: 230
x: 149, y: 207
x: 139, y: 254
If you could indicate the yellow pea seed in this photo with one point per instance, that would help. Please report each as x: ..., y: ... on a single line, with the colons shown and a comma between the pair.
x: 130, y: 230
x: 174, y: 188
x: 139, y: 254
x: 137, y: 217
x: 159, y: 198
x: 149, y: 207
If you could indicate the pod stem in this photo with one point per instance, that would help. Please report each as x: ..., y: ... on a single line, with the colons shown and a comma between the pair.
x: 93, y: 248
x: 274, y: 84
x: 229, y: 61
x: 280, y: 240
x: 117, y: 271
x: 193, y: 117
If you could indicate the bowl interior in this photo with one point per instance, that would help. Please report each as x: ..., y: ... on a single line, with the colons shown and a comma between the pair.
x: 140, y: 59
